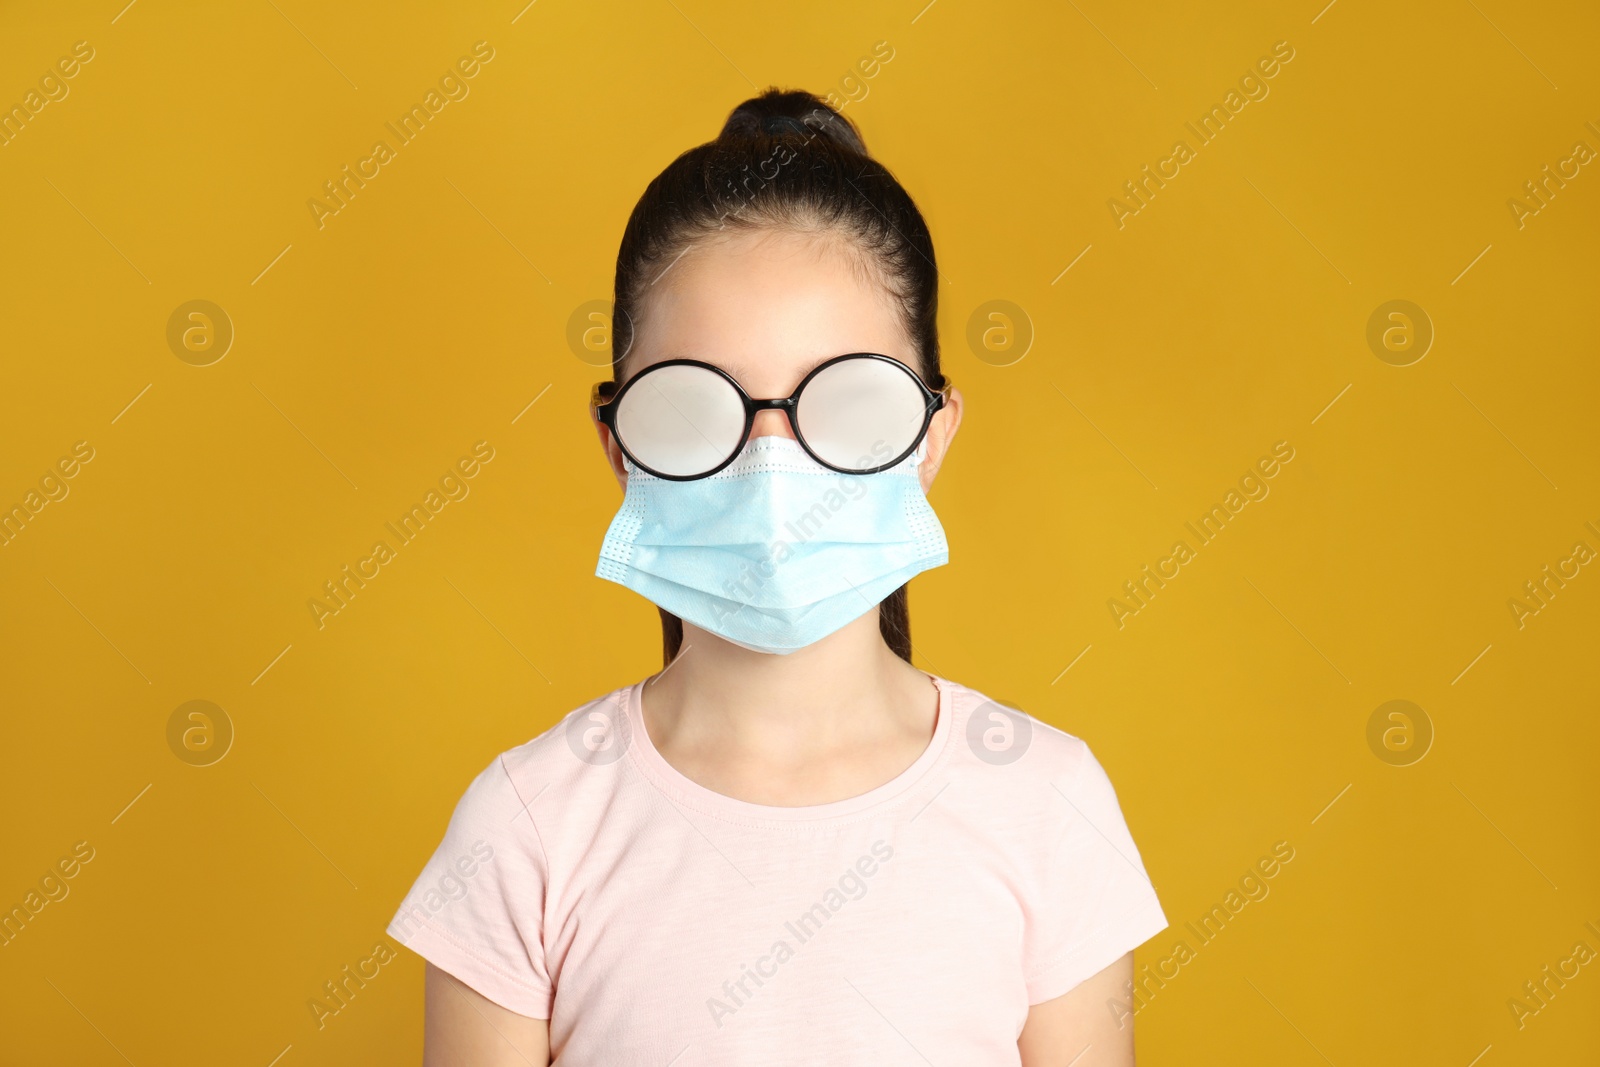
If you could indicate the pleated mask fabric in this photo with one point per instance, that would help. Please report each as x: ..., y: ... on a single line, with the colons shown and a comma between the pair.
x: 775, y: 551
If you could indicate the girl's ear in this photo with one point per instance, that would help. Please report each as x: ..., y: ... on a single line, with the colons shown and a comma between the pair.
x: 612, y: 451
x: 941, y: 432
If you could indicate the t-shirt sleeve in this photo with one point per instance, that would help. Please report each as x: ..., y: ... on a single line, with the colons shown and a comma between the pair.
x: 1094, y: 902
x: 477, y: 909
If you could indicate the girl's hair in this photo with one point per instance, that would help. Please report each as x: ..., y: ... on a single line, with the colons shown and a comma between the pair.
x: 784, y: 161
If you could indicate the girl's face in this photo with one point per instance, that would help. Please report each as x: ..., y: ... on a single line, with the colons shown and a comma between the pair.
x: 767, y: 306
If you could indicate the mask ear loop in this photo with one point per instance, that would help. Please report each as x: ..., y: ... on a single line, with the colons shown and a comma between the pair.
x: 911, y: 466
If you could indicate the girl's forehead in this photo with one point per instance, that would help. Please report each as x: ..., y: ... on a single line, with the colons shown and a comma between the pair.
x: 767, y: 308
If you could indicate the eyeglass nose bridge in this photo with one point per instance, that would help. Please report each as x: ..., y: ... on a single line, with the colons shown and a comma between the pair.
x: 785, y: 404
x: 782, y: 403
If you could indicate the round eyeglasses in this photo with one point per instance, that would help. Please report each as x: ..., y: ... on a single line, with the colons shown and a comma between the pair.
x: 683, y: 419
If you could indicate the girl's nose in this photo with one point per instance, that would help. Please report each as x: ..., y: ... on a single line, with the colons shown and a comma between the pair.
x: 771, y: 423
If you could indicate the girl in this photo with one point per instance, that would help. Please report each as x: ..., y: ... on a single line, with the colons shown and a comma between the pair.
x: 790, y: 845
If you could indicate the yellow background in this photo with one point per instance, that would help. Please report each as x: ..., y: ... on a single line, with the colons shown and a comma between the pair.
x: 428, y: 314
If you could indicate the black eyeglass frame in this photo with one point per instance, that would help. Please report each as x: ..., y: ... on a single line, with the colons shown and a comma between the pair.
x: 605, y: 409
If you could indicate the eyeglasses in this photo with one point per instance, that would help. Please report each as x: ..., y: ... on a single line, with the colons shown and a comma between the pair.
x: 683, y: 419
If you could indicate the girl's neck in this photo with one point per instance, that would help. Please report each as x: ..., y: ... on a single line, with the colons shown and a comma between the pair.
x: 841, y: 716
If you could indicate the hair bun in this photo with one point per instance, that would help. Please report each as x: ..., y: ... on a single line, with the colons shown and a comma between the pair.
x: 797, y: 114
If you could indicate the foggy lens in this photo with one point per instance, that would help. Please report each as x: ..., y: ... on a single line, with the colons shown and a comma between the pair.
x: 861, y: 413
x: 680, y: 420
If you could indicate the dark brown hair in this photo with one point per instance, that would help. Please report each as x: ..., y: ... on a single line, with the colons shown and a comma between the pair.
x: 785, y: 160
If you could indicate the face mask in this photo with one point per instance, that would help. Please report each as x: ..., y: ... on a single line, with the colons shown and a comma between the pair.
x: 775, y: 551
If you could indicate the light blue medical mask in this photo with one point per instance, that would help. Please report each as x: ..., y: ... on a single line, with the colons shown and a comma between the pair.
x: 775, y: 551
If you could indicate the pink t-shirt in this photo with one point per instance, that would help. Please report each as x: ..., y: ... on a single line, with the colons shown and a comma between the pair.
x: 584, y: 880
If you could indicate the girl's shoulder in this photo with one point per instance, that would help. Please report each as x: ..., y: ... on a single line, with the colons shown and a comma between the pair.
x: 1047, y: 804
x: 592, y: 735
x: 576, y: 759
x: 996, y: 732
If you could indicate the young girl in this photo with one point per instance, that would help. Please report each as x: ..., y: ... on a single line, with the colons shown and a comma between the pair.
x: 790, y: 845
